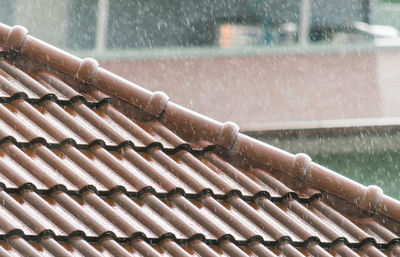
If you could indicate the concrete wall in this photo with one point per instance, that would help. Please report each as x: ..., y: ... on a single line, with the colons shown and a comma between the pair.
x: 388, y: 68
x: 46, y: 20
x: 255, y: 91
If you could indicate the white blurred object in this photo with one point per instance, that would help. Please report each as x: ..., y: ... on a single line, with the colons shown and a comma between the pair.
x: 287, y: 33
x: 382, y: 35
x: 376, y: 31
x: 238, y: 35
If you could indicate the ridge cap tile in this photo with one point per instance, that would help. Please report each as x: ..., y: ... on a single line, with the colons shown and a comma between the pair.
x: 188, y: 181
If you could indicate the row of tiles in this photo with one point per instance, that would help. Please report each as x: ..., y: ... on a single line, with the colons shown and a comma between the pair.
x: 234, y: 216
x: 17, y: 246
x: 48, y: 120
x: 177, y: 215
x: 26, y: 122
x: 124, y: 216
x: 127, y: 168
x: 22, y: 83
x: 76, y: 169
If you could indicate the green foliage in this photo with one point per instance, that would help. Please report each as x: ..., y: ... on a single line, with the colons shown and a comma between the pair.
x: 389, y: 1
x: 372, y: 168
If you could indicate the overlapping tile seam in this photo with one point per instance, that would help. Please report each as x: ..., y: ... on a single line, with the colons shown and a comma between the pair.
x: 164, y: 196
x: 187, y: 241
x: 91, y: 105
x: 335, y: 237
x: 28, y: 187
x: 130, y: 144
x: 311, y: 244
x: 365, y: 245
x: 113, y: 148
x: 201, y: 237
x: 146, y: 149
x: 179, y: 120
x: 54, y: 98
x: 210, y: 242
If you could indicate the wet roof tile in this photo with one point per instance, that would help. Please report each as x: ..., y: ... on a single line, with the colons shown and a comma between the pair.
x: 93, y: 165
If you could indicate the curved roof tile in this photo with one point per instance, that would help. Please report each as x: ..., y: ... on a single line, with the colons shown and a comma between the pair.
x: 94, y: 165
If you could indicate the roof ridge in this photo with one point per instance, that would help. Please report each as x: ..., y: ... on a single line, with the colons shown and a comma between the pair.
x: 185, y: 122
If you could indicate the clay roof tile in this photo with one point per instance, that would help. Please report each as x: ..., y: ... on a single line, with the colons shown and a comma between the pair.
x: 92, y: 164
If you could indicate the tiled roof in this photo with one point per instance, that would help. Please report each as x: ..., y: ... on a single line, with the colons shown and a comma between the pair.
x: 94, y: 165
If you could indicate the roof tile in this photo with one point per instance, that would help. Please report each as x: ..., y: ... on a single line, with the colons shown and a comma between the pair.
x: 93, y: 165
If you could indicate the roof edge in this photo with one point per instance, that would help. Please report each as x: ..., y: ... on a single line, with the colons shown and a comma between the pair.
x: 187, y: 123
x: 308, y: 173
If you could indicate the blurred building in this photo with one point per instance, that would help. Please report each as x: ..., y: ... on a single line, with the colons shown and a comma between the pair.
x: 265, y: 64
x: 277, y: 61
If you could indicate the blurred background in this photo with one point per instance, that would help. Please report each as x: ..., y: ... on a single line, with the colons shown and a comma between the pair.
x: 313, y: 76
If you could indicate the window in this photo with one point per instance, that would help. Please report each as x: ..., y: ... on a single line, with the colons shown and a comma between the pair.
x: 124, y: 24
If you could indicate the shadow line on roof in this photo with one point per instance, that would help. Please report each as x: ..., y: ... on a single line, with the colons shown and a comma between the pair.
x: 163, y: 196
x: 54, y: 98
x: 112, y: 148
x: 201, y: 237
